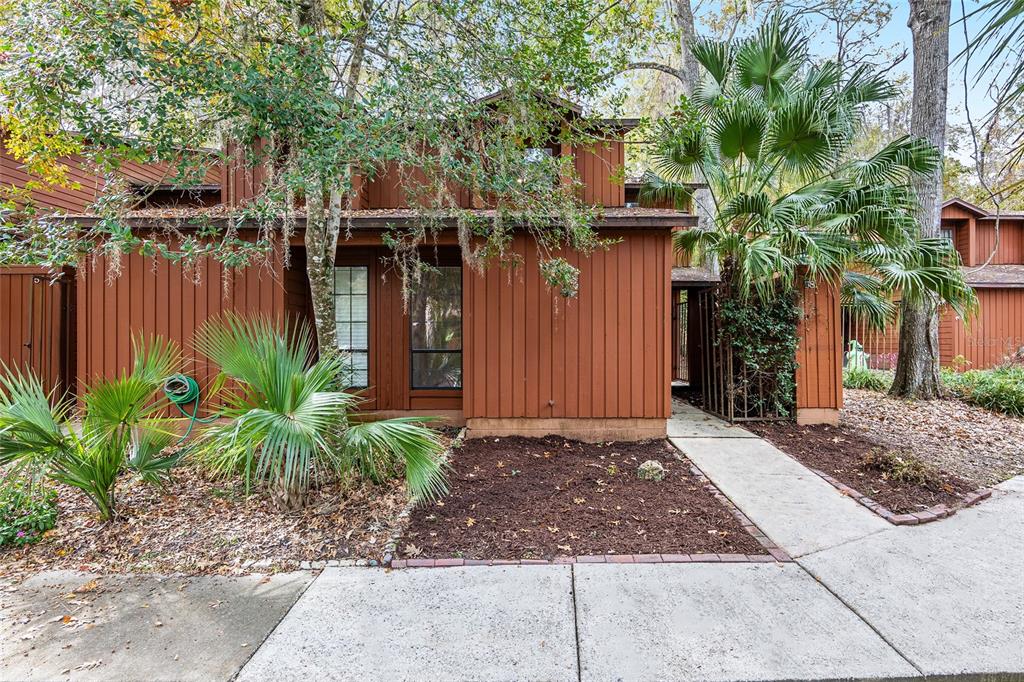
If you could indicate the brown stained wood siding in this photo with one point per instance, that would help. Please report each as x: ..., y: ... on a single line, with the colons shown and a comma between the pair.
x: 90, y: 183
x: 600, y: 169
x: 603, y: 354
x: 155, y: 297
x: 384, y: 189
x: 819, y: 383
x: 36, y: 324
x: 1010, y: 249
x: 996, y: 332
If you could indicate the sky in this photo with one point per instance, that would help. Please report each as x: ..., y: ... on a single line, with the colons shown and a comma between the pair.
x: 897, y: 33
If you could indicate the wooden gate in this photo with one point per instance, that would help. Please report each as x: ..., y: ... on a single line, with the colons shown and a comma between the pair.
x: 729, y: 388
x: 35, y: 324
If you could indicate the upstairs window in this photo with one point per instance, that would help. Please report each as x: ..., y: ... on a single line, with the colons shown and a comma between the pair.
x: 352, y: 320
x: 435, y: 314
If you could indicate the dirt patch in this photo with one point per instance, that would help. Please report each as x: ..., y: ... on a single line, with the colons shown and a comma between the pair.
x: 840, y: 452
x: 967, y: 441
x: 530, y: 498
x: 199, y: 526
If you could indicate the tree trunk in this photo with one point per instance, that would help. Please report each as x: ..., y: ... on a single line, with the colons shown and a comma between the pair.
x: 917, y: 366
x: 689, y: 69
x: 320, y: 251
x: 689, y: 75
x: 323, y: 201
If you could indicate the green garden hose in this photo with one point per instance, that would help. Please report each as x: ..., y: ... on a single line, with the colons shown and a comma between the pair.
x: 182, y: 389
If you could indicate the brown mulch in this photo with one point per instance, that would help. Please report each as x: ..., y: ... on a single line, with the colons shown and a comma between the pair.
x: 537, y: 498
x: 964, y: 440
x: 199, y: 526
x: 839, y: 452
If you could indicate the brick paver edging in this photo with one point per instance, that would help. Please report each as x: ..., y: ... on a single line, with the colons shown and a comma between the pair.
x: 775, y: 553
x: 939, y: 511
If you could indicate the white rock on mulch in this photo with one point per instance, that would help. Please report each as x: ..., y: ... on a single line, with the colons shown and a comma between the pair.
x: 968, y: 441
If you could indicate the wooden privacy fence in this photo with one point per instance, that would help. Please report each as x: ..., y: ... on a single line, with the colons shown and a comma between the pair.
x: 37, y: 313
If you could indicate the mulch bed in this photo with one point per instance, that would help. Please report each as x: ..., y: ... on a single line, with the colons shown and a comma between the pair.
x: 540, y: 498
x: 839, y: 452
x: 202, y: 526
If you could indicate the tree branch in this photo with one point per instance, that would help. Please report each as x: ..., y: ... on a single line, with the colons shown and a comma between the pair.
x: 645, y: 66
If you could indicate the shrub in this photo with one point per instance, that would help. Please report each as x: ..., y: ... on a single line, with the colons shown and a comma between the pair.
x: 867, y: 379
x: 117, y: 428
x: 286, y: 425
x: 1000, y: 389
x: 901, y: 468
x: 26, y: 512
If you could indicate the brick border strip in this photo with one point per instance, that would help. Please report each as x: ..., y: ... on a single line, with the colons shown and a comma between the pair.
x: 775, y: 553
x: 939, y: 511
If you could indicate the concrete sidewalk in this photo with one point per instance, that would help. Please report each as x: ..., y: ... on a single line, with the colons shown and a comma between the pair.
x: 864, y: 600
x: 77, y: 626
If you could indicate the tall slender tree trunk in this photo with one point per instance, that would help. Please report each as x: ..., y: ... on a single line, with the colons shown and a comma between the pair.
x: 324, y: 197
x: 917, y: 367
x: 689, y: 75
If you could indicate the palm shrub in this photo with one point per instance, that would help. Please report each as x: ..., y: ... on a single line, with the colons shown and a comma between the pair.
x: 119, y: 428
x: 772, y: 135
x: 285, y: 424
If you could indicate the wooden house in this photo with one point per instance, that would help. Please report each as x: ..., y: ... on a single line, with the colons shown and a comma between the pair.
x: 993, y: 263
x: 498, y: 351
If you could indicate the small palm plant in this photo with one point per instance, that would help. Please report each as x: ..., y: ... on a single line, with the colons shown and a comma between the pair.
x: 117, y: 429
x: 773, y: 136
x: 286, y: 425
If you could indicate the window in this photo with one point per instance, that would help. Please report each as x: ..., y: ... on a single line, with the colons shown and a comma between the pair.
x: 435, y: 314
x: 947, y: 234
x: 538, y: 154
x: 352, y: 320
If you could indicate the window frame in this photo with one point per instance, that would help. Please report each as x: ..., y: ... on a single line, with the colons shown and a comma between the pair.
x: 413, y: 351
x: 360, y: 261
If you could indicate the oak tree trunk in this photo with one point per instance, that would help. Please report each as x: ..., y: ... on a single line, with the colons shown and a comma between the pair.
x: 320, y: 252
x: 324, y: 199
x: 917, y: 366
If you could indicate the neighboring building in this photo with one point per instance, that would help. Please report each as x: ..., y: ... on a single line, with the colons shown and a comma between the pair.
x: 498, y: 351
x: 995, y: 269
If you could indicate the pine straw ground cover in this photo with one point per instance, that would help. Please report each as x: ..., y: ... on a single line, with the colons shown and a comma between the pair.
x: 200, y: 526
x: 541, y: 498
x: 932, y: 452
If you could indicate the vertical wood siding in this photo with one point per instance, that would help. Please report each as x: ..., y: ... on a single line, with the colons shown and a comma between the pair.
x: 157, y: 297
x: 996, y: 332
x: 384, y: 189
x: 34, y: 333
x: 819, y: 383
x: 1010, y: 249
x: 600, y: 169
x: 529, y: 352
x: 90, y: 183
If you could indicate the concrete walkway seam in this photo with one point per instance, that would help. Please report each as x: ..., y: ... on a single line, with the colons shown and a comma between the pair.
x: 271, y: 630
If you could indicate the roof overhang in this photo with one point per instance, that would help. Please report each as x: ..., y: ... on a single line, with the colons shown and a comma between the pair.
x: 384, y: 219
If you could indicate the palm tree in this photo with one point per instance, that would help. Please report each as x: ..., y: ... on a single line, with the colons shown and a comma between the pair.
x: 772, y: 135
x: 118, y: 429
x: 285, y: 425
